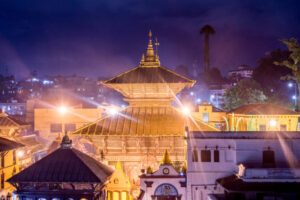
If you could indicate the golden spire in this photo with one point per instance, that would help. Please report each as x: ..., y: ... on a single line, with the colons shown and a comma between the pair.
x: 166, y: 159
x: 150, y: 51
x: 143, y: 59
x: 118, y: 165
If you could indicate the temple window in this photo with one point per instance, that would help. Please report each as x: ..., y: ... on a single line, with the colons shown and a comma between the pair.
x: 70, y: 127
x: 195, y: 156
x: 282, y: 127
x: 2, y: 180
x: 2, y: 161
x: 14, y: 158
x: 268, y: 158
x: 55, y: 128
x: 216, y: 156
x: 262, y: 127
x: 205, y: 156
x: 116, y: 195
x: 205, y: 117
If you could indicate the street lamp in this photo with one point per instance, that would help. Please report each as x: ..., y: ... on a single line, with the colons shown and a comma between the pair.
x: 62, y: 110
x: 186, y: 110
x: 273, y: 122
x: 294, y: 97
x: 112, y: 110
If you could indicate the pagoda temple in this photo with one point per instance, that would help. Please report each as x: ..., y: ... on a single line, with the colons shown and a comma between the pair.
x: 138, y: 135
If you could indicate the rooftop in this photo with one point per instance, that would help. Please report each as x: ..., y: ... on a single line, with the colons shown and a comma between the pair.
x: 144, y: 121
x: 66, y: 164
x: 233, y: 183
x: 8, y: 121
x: 244, y: 135
x: 263, y: 109
x: 7, y: 145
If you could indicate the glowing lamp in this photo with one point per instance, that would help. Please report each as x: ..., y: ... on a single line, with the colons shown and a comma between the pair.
x: 62, y: 110
x: 112, y: 111
x: 273, y: 123
x: 290, y: 84
x: 294, y: 97
x: 20, y: 154
x: 186, y: 110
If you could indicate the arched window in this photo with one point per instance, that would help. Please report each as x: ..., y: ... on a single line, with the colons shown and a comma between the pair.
x: 195, y: 155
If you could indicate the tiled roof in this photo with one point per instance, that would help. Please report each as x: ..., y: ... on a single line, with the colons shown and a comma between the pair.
x: 144, y: 121
x: 8, y: 121
x: 263, y: 109
x: 149, y: 75
x: 6, y: 145
x: 64, y: 165
x: 233, y: 183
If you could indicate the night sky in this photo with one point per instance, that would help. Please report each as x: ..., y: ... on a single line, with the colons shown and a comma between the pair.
x: 103, y: 38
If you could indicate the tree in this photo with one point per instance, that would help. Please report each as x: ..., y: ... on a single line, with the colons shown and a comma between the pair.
x: 293, y: 63
x: 247, y: 91
x: 267, y: 74
x: 206, y: 31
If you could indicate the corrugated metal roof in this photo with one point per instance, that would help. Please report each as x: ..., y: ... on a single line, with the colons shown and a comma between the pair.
x: 64, y: 165
x: 6, y: 145
x: 6, y: 120
x: 144, y: 121
x: 263, y: 109
x: 149, y: 75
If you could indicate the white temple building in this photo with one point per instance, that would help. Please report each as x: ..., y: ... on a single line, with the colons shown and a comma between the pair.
x: 243, y: 165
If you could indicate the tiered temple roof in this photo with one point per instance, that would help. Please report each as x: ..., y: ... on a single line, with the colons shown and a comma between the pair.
x: 149, y: 89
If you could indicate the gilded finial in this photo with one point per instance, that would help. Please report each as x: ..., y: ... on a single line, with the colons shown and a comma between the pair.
x: 150, y: 33
x: 166, y: 159
x: 118, y: 165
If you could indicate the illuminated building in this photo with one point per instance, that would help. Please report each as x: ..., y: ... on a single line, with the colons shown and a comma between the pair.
x: 119, y: 186
x: 50, y: 122
x: 210, y: 114
x: 139, y: 134
x: 243, y: 165
x: 164, y: 184
x: 263, y: 117
x: 9, y: 165
x: 242, y: 72
x: 17, y: 130
x: 64, y: 174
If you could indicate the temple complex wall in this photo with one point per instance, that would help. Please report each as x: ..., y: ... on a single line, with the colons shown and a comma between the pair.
x: 137, y: 153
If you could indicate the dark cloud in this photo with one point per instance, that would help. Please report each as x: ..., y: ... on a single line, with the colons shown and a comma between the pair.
x: 103, y: 38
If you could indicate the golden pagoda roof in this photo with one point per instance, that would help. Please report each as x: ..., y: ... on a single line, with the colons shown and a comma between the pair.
x: 149, y: 80
x: 144, y: 121
x: 146, y: 74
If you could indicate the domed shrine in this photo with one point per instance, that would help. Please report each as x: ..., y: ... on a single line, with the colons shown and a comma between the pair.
x: 138, y: 135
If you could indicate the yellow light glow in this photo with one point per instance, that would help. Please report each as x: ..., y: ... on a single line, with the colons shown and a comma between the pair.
x: 273, y: 122
x: 20, y: 154
x: 112, y: 111
x: 186, y: 110
x: 62, y: 110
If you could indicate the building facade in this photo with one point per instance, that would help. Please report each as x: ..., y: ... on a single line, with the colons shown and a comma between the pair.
x: 166, y: 183
x: 9, y: 165
x: 262, y: 117
x: 51, y: 122
x: 254, y: 155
